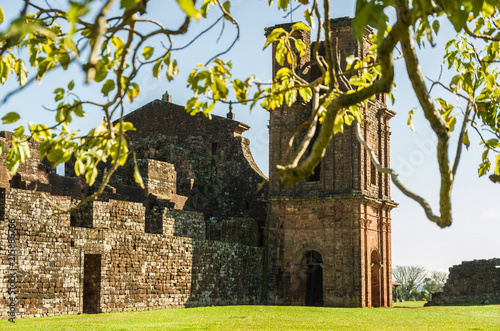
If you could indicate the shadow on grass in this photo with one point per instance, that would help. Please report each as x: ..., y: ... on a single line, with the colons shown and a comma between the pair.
x: 465, y: 304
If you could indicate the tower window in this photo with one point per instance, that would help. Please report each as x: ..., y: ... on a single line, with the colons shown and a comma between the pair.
x: 316, y: 176
x: 373, y: 174
x: 214, y: 149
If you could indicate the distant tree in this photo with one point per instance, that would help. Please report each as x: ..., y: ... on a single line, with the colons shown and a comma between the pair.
x: 435, y: 282
x: 410, y: 278
x: 419, y: 295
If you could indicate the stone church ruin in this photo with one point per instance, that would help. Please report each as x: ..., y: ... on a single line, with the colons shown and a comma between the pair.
x: 471, y: 282
x: 200, y: 233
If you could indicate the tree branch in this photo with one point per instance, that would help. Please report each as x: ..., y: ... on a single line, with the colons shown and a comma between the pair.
x: 435, y: 119
x: 289, y: 174
x: 394, y: 177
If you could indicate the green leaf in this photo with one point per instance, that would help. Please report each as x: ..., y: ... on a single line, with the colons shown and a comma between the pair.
x: 204, y: 7
x: 148, y: 52
x: 490, y: 81
x: 79, y: 167
x: 133, y: 92
x: 305, y: 93
x: 91, y: 175
x: 157, y: 67
x: 452, y: 120
x: 348, y: 119
x: 300, y: 46
x: 101, y: 74
x: 283, y: 4
x: 227, y: 6
x: 108, y: 86
x: 465, y: 139
x: 187, y: 7
x: 273, y: 36
x: 458, y: 19
x: 78, y: 110
x: 172, y: 70
x: 435, y: 26
x: 2, y: 17
x: 483, y: 168
x: 308, y: 14
x: 64, y: 60
x: 488, y: 9
x: 19, y: 132
x: 363, y: 11
x: 71, y: 85
x: 300, y: 26
x: 22, y: 73
x: 11, y: 117
x: 492, y: 143
x: 59, y: 92
x: 137, y: 175
x: 127, y: 126
x: 127, y: 4
x: 339, y: 124
x: 281, y: 52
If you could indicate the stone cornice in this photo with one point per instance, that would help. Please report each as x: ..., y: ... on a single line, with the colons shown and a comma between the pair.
x: 354, y: 196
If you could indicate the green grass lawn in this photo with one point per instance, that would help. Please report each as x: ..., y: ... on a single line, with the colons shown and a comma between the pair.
x: 278, y: 318
x: 409, y: 304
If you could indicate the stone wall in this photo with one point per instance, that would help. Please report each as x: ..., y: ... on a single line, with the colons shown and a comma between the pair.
x: 215, y: 170
x: 112, y: 265
x: 239, y: 230
x: 475, y: 281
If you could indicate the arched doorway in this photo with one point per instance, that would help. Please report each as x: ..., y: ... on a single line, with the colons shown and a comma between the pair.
x: 375, y: 281
x: 314, y: 278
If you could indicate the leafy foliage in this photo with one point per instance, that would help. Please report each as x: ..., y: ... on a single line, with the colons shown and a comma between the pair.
x: 115, y: 51
x: 114, y: 48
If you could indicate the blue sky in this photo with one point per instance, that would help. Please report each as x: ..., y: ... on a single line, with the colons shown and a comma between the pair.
x: 415, y: 240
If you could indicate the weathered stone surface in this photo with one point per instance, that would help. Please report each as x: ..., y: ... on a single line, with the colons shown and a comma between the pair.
x: 191, y: 237
x: 215, y: 170
x: 328, y: 237
x: 471, y: 281
x: 137, y: 270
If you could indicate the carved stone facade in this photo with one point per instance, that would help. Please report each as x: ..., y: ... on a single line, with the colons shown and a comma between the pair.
x: 329, y: 237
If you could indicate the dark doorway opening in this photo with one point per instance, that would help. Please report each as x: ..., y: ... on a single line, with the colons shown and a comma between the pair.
x: 375, y: 281
x: 314, y: 279
x: 92, y: 283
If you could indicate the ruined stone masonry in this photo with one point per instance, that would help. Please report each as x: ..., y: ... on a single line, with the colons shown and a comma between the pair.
x: 475, y: 281
x: 200, y: 233
x: 190, y: 238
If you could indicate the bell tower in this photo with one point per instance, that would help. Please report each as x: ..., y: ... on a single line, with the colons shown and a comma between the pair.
x: 328, y: 238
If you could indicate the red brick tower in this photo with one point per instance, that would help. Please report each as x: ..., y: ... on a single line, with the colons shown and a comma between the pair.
x: 329, y: 237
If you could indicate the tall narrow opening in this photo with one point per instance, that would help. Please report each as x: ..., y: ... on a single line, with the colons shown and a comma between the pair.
x: 92, y: 283
x: 214, y: 149
x: 314, y: 278
x: 375, y: 281
x: 316, y: 175
x: 373, y: 172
